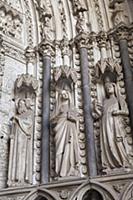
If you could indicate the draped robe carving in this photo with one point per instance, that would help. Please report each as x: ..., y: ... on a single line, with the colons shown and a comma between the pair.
x: 66, y: 143
x: 20, y: 145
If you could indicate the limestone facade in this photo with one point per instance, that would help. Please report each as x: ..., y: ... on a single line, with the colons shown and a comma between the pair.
x: 66, y: 100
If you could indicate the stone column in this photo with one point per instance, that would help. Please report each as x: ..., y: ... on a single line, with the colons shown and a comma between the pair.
x: 81, y: 41
x: 46, y: 49
x: 122, y: 35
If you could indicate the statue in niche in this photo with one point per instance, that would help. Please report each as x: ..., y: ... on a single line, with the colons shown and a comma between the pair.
x: 20, y: 144
x: 64, y: 123
x: 113, y: 135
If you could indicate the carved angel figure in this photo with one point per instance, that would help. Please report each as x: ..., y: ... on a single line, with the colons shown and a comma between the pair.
x: 65, y: 129
x: 113, y: 135
x: 20, y: 145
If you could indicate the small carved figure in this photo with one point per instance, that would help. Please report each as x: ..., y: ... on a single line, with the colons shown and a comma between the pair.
x: 65, y: 129
x: 9, y: 24
x: 113, y: 135
x: 78, y: 6
x: 20, y: 144
x: 81, y: 24
x: 17, y: 28
x: 47, y: 31
x: 118, y: 14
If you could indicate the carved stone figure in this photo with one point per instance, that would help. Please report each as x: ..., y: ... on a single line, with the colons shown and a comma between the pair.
x: 9, y: 24
x: 65, y: 129
x: 47, y: 31
x: 78, y: 6
x: 20, y: 145
x: 81, y: 24
x: 113, y: 135
x: 118, y: 14
x: 17, y: 28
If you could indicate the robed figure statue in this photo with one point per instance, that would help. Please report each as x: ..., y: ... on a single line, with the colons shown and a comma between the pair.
x: 113, y: 141
x: 20, y: 159
x: 64, y: 122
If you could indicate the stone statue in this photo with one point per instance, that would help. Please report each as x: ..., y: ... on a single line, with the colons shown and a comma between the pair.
x: 20, y: 145
x: 66, y: 144
x: 47, y: 31
x: 81, y: 24
x: 113, y: 135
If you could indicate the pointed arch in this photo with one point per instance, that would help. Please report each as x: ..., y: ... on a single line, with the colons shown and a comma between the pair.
x: 41, y: 193
x: 103, y: 190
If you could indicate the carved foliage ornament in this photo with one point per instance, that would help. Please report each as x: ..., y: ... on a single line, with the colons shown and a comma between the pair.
x: 65, y: 72
x: 26, y: 81
x: 109, y: 65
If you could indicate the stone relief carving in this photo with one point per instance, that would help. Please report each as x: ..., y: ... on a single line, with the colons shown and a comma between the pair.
x: 78, y: 6
x: 63, y: 19
x: 119, y: 14
x: 20, y: 168
x: 81, y: 25
x: 21, y: 137
x: 64, y: 125
x: 10, y: 22
x: 113, y: 134
x: 116, y: 152
x: 45, y: 14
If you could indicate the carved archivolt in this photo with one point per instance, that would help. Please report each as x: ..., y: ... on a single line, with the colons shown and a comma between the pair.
x: 49, y: 195
x: 104, y: 191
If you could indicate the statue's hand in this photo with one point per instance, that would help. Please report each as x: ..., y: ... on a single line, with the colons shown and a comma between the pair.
x: 119, y: 112
x: 115, y: 113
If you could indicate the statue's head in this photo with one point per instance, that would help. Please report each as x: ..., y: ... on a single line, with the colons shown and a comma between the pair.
x: 21, y: 106
x: 64, y: 94
x: 109, y: 88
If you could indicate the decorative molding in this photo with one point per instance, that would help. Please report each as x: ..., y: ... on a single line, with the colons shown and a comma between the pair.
x: 46, y: 48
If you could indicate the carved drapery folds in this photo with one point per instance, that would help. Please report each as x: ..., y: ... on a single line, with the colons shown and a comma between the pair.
x: 111, y: 108
x: 21, y: 138
x: 65, y: 125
